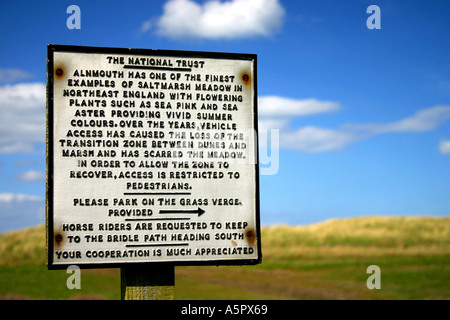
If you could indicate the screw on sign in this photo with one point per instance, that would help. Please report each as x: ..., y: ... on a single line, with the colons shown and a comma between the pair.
x: 246, y: 79
x: 59, y: 72
x: 251, y: 236
x: 58, y: 238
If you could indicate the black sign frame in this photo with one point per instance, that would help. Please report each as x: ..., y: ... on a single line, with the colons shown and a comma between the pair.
x: 50, y: 235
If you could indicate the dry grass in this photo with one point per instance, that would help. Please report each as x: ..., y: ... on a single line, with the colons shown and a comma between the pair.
x: 24, y: 245
x: 366, y: 237
x: 364, y: 231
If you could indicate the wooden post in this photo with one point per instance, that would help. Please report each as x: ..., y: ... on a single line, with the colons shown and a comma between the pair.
x: 148, y: 282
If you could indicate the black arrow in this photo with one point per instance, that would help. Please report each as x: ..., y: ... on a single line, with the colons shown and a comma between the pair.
x: 198, y: 211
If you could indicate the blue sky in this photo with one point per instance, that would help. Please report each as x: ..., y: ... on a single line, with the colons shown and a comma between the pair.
x: 363, y: 114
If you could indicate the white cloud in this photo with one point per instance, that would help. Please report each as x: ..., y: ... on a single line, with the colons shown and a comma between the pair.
x: 444, y: 147
x: 423, y: 120
x: 278, y: 112
x: 278, y: 107
x: 32, y: 175
x: 22, y: 116
x: 12, y: 75
x: 19, y: 210
x: 219, y: 20
x: 6, y: 197
x: 146, y: 25
x: 9, y: 198
x: 267, y: 124
x: 314, y: 140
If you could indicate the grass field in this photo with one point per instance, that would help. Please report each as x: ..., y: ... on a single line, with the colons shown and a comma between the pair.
x: 323, y: 261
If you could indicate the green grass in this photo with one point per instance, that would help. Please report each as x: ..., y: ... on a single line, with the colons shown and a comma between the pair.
x: 323, y: 261
x: 32, y: 281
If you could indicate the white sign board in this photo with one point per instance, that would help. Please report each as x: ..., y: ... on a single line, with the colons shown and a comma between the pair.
x: 152, y: 157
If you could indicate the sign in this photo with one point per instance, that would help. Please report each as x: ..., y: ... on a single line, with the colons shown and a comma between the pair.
x: 152, y: 157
